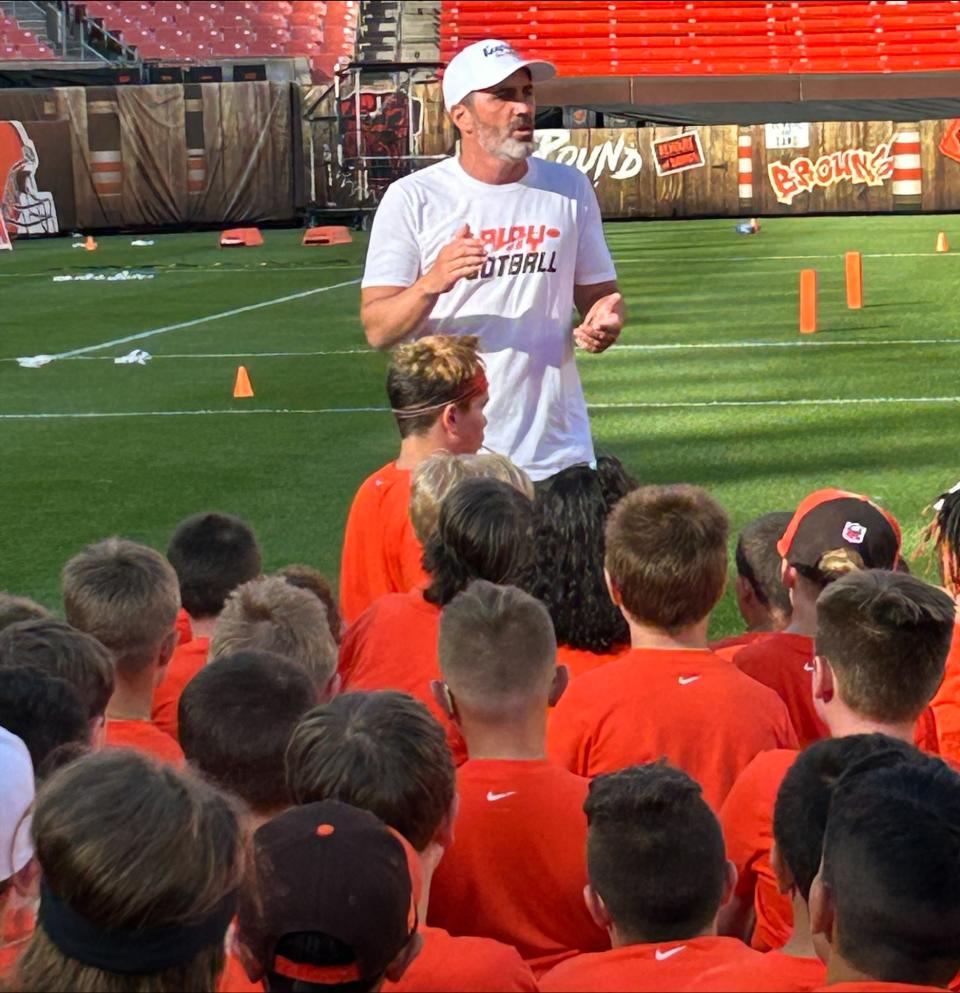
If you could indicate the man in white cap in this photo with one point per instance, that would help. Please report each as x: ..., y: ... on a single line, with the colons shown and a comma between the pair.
x: 501, y: 245
x: 17, y: 867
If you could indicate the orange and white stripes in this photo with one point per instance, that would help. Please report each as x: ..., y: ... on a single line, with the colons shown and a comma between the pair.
x: 745, y: 166
x: 907, y: 167
x: 196, y: 170
x: 107, y: 170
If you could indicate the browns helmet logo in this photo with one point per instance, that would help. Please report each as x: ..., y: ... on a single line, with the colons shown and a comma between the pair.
x: 24, y: 209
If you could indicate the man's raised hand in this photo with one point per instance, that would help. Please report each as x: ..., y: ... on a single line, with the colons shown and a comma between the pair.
x: 461, y: 258
x: 602, y: 325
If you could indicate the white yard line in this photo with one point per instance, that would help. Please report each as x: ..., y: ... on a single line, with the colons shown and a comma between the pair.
x: 223, y: 315
x: 638, y: 405
x: 665, y: 347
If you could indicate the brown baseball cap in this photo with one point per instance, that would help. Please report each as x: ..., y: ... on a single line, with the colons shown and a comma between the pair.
x: 329, y: 869
x: 830, y: 519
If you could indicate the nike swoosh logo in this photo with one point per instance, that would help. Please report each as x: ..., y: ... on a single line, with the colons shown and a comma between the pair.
x: 493, y: 797
x: 808, y: 667
x: 686, y: 681
x: 663, y: 956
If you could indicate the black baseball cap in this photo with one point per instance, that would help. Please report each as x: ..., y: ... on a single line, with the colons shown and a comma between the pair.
x: 831, y: 519
x: 329, y: 869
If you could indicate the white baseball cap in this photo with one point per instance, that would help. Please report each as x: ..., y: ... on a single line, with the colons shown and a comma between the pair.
x: 16, y: 799
x: 484, y: 64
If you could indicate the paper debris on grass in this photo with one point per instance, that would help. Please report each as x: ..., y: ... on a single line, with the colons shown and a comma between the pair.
x: 137, y: 357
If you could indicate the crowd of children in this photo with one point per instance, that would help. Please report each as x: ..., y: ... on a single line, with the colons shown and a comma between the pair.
x: 504, y: 758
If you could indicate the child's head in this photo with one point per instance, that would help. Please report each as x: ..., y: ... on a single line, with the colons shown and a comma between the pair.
x: 571, y: 511
x: 212, y: 554
x: 236, y: 718
x: 330, y: 904
x: 437, y: 386
x: 140, y: 867
x: 16, y: 802
x: 763, y: 600
x: 436, y: 476
x: 655, y: 856
x: 271, y: 615
x: 14, y: 609
x: 45, y: 712
x: 803, y: 801
x: 127, y: 596
x: 667, y: 556
x: 383, y: 752
x: 485, y: 531
x: 305, y: 577
x: 833, y: 533
x: 886, y: 898
x: 882, y: 644
x: 62, y: 651
x: 944, y: 531
x: 498, y: 656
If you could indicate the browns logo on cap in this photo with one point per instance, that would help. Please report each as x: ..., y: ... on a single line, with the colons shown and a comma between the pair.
x: 831, y: 519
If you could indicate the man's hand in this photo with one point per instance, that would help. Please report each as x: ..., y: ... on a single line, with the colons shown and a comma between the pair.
x: 602, y: 325
x: 462, y: 258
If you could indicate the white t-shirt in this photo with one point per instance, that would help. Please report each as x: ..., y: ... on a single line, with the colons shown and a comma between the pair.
x: 545, y: 236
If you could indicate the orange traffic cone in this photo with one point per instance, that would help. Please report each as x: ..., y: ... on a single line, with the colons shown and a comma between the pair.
x: 242, y: 389
x: 90, y: 244
x: 942, y: 244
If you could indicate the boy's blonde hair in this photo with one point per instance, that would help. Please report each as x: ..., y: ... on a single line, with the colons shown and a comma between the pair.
x: 127, y: 596
x: 435, y: 477
x: 428, y: 374
x: 271, y: 615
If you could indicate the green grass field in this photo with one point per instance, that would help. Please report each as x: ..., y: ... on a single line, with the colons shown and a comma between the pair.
x: 712, y: 383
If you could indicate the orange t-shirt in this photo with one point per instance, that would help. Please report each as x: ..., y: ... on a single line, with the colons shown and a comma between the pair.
x: 184, y: 627
x: 946, y: 704
x: 784, y: 662
x: 144, y: 737
x: 667, y: 966
x: 16, y: 930
x: 517, y: 867
x: 188, y: 659
x: 393, y: 646
x: 466, y: 965
x: 578, y: 661
x: 875, y: 986
x: 235, y: 979
x: 747, y: 820
x: 702, y: 714
x: 726, y: 648
x: 381, y: 553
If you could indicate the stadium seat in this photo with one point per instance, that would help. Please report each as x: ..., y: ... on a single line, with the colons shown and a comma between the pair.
x: 714, y: 37
x: 191, y: 30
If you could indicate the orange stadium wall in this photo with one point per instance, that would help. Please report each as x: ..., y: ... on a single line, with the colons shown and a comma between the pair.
x: 158, y: 156
x: 817, y: 168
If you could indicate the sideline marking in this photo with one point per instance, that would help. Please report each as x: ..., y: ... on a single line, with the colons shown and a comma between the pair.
x: 167, y: 329
x: 666, y: 347
x: 638, y: 405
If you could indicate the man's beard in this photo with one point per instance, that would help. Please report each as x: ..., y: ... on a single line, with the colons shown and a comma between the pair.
x: 502, y: 145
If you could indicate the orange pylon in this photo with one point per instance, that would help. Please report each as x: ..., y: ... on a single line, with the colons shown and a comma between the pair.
x: 808, y: 301
x: 942, y: 244
x: 854, y: 268
x: 242, y: 388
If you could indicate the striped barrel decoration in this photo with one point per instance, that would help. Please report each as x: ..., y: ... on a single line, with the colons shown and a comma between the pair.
x: 907, y: 171
x: 196, y: 170
x: 745, y: 166
x: 107, y: 169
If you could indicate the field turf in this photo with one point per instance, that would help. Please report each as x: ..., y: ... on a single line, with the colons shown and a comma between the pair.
x: 712, y: 383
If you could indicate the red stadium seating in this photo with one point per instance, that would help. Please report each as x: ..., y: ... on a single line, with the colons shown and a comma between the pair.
x: 659, y: 37
x: 194, y: 31
x: 17, y: 44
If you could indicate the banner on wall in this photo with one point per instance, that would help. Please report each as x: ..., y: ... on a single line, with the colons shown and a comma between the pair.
x: 794, y: 168
x: 24, y: 208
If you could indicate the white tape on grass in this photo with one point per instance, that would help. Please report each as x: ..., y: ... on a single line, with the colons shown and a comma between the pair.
x: 665, y: 347
x: 170, y: 328
x: 639, y: 405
